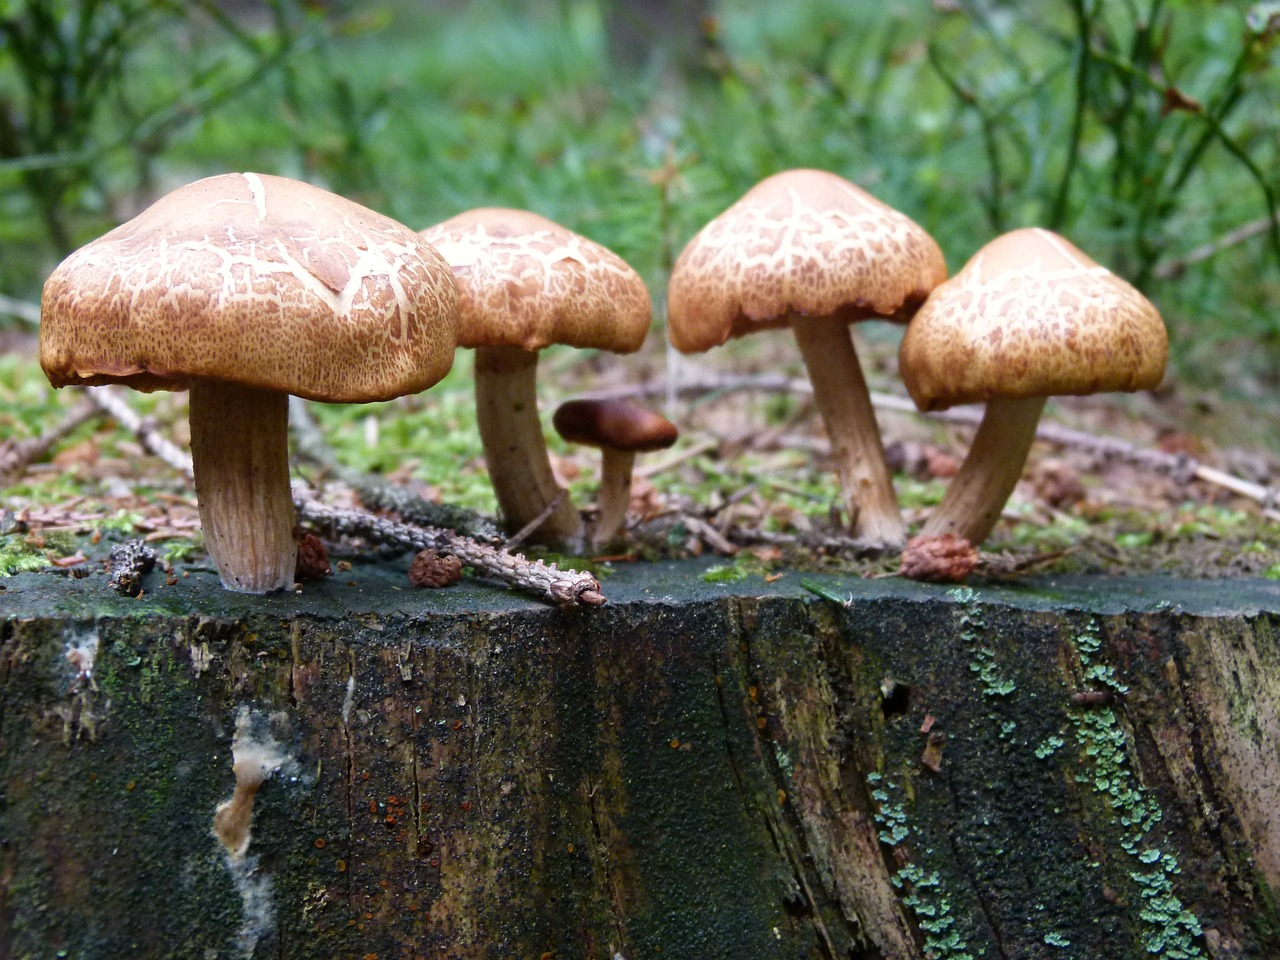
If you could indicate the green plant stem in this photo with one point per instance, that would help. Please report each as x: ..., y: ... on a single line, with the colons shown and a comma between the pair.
x: 1084, y: 28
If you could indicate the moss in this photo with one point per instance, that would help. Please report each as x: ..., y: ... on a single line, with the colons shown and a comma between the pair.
x: 17, y: 556
x: 725, y: 573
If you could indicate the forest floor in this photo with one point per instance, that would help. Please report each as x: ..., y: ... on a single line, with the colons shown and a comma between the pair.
x: 749, y: 479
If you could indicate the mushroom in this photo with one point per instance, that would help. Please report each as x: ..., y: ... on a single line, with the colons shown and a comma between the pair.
x: 620, y: 430
x: 524, y: 283
x: 245, y: 288
x: 809, y: 250
x: 1028, y: 317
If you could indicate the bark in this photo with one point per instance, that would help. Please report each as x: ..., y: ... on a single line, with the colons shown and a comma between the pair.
x: 693, y: 770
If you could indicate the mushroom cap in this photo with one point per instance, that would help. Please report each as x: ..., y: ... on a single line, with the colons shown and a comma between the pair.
x: 1028, y: 316
x: 256, y: 280
x: 615, y: 424
x: 802, y: 242
x: 525, y: 281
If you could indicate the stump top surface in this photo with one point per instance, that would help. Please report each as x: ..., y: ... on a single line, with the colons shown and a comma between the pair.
x: 382, y: 588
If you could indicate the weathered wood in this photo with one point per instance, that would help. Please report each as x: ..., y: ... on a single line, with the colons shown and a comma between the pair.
x: 694, y: 770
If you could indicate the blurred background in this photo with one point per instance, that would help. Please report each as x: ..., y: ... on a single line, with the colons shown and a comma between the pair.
x: 1147, y: 131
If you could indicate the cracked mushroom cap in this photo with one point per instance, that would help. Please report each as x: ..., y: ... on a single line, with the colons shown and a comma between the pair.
x: 802, y: 241
x: 256, y: 280
x: 1030, y: 315
x: 614, y: 424
x: 525, y: 281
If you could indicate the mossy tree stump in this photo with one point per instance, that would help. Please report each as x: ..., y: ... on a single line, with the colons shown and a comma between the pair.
x: 694, y: 770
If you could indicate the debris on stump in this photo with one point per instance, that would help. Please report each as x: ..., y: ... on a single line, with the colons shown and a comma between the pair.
x: 313, y: 558
x: 128, y: 563
x: 431, y: 569
x: 942, y: 559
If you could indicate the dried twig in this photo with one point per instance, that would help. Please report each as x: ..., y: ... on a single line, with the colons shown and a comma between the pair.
x: 116, y: 407
x: 16, y: 455
x: 528, y: 529
x: 567, y: 588
x: 375, y: 494
x: 1168, y: 269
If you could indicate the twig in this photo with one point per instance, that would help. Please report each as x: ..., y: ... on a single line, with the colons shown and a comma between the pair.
x: 709, y: 535
x: 809, y: 540
x: 523, y: 533
x: 115, y: 406
x: 1168, y: 269
x: 378, y: 495
x: 676, y: 457
x: 16, y: 455
x: 566, y: 588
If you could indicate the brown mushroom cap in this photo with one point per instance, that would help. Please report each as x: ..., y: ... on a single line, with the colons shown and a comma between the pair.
x: 615, y: 424
x: 805, y: 242
x: 525, y: 281
x: 1030, y: 315
x: 256, y: 280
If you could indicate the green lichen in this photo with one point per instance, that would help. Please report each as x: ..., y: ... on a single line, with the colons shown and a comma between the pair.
x: 922, y: 888
x: 1048, y: 747
x: 973, y: 630
x: 1168, y: 929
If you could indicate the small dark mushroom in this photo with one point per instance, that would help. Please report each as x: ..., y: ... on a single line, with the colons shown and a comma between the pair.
x: 621, y: 430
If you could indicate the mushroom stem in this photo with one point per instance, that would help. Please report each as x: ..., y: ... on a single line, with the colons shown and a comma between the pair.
x: 977, y: 494
x: 840, y: 392
x: 514, y: 448
x: 240, y: 452
x: 615, y: 493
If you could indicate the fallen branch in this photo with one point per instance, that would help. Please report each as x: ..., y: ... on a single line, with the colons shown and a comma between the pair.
x: 311, y: 445
x: 108, y: 399
x: 1169, y: 269
x: 567, y: 588
x: 17, y: 455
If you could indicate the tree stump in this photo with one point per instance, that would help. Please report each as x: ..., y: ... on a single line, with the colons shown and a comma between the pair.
x: 1058, y: 769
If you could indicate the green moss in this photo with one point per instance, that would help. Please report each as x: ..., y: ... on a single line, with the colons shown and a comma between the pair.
x: 17, y: 556
x: 183, y: 550
x: 122, y: 521
x: 725, y: 573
